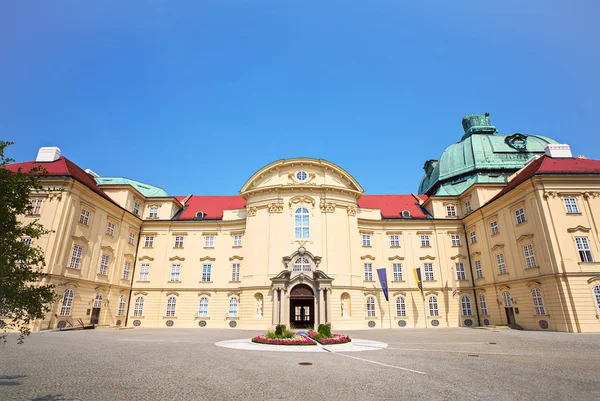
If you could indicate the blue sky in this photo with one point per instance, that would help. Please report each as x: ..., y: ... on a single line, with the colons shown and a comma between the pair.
x: 195, y: 96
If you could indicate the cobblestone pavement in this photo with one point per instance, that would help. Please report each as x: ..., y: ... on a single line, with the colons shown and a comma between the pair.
x: 184, y: 364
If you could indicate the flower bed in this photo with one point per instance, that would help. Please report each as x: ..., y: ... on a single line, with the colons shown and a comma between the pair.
x: 295, y: 340
x: 334, y: 339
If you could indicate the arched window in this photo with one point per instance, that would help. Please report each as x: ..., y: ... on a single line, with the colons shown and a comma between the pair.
x: 433, y: 306
x: 400, y: 307
x: 98, y: 300
x: 138, y: 308
x: 171, y: 305
x: 507, y: 299
x: 301, y: 265
x: 465, y: 302
x: 538, y: 302
x: 301, y: 223
x: 370, y: 306
x: 121, y: 309
x: 483, y: 304
x: 597, y: 295
x: 233, y: 307
x: 67, y: 303
x: 203, y: 307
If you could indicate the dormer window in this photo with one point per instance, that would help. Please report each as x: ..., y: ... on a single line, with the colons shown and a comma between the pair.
x: 301, y: 175
x: 405, y: 213
x: 200, y: 215
x: 451, y: 211
x: 153, y: 212
x: 468, y: 208
x: 136, y: 208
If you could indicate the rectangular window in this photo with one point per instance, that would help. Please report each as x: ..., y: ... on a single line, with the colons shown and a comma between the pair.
x: 110, y: 229
x: 138, y: 308
x: 428, y: 267
x: 131, y: 240
x: 179, y: 242
x: 425, y: 241
x: 84, y: 217
x: 104, y: 264
x: 235, y: 272
x: 494, y: 228
x: 478, y: 269
x: 121, y: 309
x: 36, y: 206
x: 368, y: 272
x: 397, y: 270
x: 149, y: 241
x: 571, y: 205
x: 483, y: 305
x: 585, y: 252
x: 206, y: 272
x: 473, y: 236
x: 237, y: 240
x: 144, y: 271
x: 26, y: 240
x: 176, y: 272
x: 209, y: 241
x: 153, y: 212
x: 75, y: 262
x: 500, y: 263
x: 366, y: 240
x: 529, y: 256
x: 394, y: 241
x: 468, y: 208
x: 455, y: 239
x: 520, y: 215
x: 461, y: 274
x: 451, y: 211
x: 136, y: 208
x: 126, y: 270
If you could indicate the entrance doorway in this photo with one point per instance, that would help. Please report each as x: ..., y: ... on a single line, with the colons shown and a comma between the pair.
x: 510, y: 315
x: 302, y: 307
x: 96, y: 308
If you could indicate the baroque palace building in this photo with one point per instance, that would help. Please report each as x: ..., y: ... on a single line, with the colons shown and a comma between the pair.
x: 504, y: 230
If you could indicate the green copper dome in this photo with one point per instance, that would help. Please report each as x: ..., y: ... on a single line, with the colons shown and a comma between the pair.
x: 149, y: 191
x: 481, y: 156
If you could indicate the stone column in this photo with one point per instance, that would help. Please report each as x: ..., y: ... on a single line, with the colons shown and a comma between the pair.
x: 328, y: 305
x: 276, y: 306
x: 283, y: 307
x: 321, y: 305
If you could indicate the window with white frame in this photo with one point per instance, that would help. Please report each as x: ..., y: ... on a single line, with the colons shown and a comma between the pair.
x: 84, y: 217
x: 433, y: 306
x: 451, y: 210
x: 461, y: 274
x: 110, y: 229
x: 206, y: 271
x: 75, y: 262
x: 179, y: 241
x: 67, y: 303
x: 104, y: 261
x: 596, y: 291
x: 394, y: 240
x: 144, y: 271
x: 465, y: 302
x: 425, y: 241
x: 400, y: 307
x: 507, y: 299
x: 121, y: 308
x: 136, y: 208
x: 368, y: 271
x: 97, y: 300
x: 209, y: 241
x: 571, y: 205
x: 500, y: 263
x: 171, y: 306
x: 203, y: 307
x: 520, y: 215
x: 149, y: 241
x: 138, y: 307
x: 483, y: 305
x: 397, y: 271
x: 36, y: 206
x: 235, y: 272
x: 473, y: 237
x: 428, y: 268
x: 538, y: 302
x: 529, y: 256
x: 455, y: 239
x: 366, y: 240
x: 583, y: 247
x: 468, y: 208
x: 237, y: 240
x: 478, y: 269
x: 494, y: 227
x: 27, y: 240
x: 175, y: 272
x: 131, y: 240
x: 370, y: 306
x: 153, y: 212
x: 126, y: 270
x: 301, y: 223
x: 301, y: 265
x: 233, y: 307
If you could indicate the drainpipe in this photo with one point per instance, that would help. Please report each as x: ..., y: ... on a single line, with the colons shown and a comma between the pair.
x: 133, y: 276
x: 472, y: 277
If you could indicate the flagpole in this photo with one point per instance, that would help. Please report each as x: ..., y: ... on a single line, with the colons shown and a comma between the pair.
x: 424, y: 308
x: 389, y: 313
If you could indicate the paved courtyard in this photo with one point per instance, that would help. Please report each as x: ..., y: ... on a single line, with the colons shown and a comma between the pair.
x: 184, y: 364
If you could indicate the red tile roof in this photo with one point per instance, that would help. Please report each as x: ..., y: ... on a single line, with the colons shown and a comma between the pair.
x: 212, y: 206
x: 549, y: 166
x: 391, y: 206
x: 62, y: 167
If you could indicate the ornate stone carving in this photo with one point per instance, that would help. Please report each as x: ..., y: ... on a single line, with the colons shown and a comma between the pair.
x: 327, y: 207
x: 275, y: 207
x: 550, y: 194
x: 591, y: 194
x: 251, y: 211
x: 302, y: 199
x: 517, y: 141
x: 307, y: 181
x: 351, y: 210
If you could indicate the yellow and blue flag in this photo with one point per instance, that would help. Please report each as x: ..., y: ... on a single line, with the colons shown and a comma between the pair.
x: 417, y: 273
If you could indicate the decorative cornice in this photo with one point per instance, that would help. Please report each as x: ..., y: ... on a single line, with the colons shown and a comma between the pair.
x: 235, y: 293
x: 308, y: 181
x: 80, y: 238
x: 178, y: 233
x: 327, y: 207
x: 140, y: 293
x: 533, y: 283
x: 427, y: 257
x: 275, y: 208
x: 70, y: 284
x: 476, y: 254
x: 176, y: 258
x: 591, y: 194
x: 592, y: 279
x: 107, y: 248
x: 201, y: 294
x: 396, y: 257
x: 145, y: 257
x: 401, y: 293
x: 351, y: 210
x: 251, y: 211
x: 550, y: 194
x: 234, y: 257
x: 172, y: 293
x: 129, y: 255
x: 210, y: 234
x: 431, y: 293
x: 367, y: 257
x: 458, y: 256
x: 524, y: 237
x: 207, y: 258
x: 579, y: 228
x: 302, y: 199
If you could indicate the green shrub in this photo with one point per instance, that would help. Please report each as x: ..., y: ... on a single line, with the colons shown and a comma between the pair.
x: 324, y: 331
x: 279, y: 330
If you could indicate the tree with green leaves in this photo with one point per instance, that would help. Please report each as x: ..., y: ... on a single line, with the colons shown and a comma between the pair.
x: 23, y: 296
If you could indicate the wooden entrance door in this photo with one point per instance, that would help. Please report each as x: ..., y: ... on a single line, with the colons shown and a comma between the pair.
x: 510, y: 315
x: 302, y: 307
x: 95, y: 316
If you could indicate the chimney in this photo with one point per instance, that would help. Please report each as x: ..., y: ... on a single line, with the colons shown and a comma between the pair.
x: 558, y: 151
x: 90, y: 172
x: 48, y: 154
